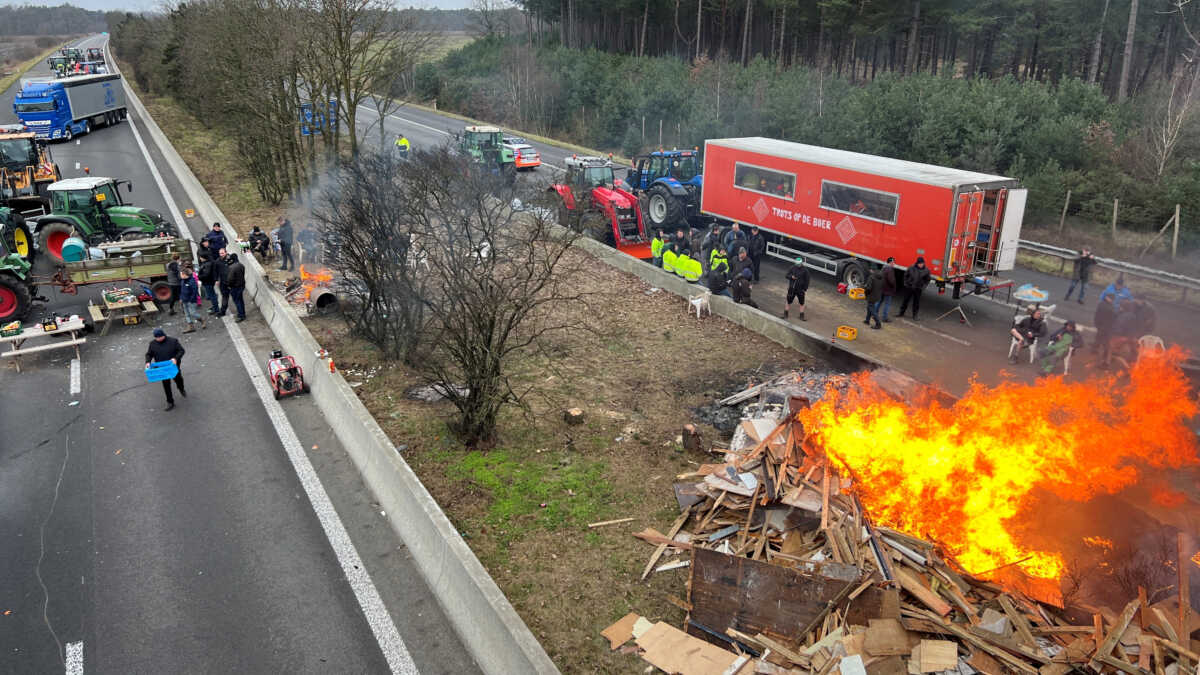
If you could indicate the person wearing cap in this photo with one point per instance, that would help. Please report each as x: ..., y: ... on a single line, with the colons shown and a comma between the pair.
x: 216, y: 238
x: 1119, y: 291
x: 742, y: 262
x: 889, y: 289
x: 741, y: 288
x: 756, y: 248
x: 916, y: 278
x: 1061, y: 343
x: 165, y: 348
x: 260, y: 243
x: 798, y: 279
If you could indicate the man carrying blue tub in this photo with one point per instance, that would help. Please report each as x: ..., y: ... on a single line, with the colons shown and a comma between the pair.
x: 162, y: 349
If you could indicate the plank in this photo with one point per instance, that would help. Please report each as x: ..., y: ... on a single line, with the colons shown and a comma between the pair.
x: 1019, y: 622
x: 618, y: 521
x: 934, y: 655
x: 909, y: 582
x: 620, y: 632
x: 42, y: 348
x: 1114, y: 635
x: 653, y: 536
x: 673, y: 651
x: 663, y: 547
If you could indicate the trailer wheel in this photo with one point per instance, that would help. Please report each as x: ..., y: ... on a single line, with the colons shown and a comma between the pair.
x: 15, y: 298
x: 51, y: 238
x: 161, y: 291
x: 854, y: 274
x: 662, y: 207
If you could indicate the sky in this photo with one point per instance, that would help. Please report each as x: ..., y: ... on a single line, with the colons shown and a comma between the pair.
x: 136, y: 5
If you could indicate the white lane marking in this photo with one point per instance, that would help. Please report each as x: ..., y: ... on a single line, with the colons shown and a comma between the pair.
x: 939, y: 333
x: 76, y: 166
x: 76, y: 378
x: 74, y: 661
x: 382, y: 626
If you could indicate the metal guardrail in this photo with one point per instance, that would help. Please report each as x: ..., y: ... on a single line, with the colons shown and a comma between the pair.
x: 1184, y: 283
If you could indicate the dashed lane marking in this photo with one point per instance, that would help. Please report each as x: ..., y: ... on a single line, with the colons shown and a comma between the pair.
x: 74, y: 658
x: 76, y: 378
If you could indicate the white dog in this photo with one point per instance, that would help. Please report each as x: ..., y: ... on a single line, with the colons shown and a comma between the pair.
x: 700, y: 302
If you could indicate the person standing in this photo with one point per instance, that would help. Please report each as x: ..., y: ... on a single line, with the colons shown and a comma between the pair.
x: 756, y: 248
x: 889, y: 288
x: 189, y: 296
x: 1118, y: 291
x: 1105, y: 320
x: 235, y: 277
x: 284, y: 233
x: 798, y: 279
x: 221, y: 272
x: 711, y: 242
x: 208, y: 278
x: 173, y: 282
x: 1081, y: 272
x: 656, y: 248
x: 164, y: 348
x: 916, y: 278
x: 205, y: 251
x: 734, y: 238
x: 216, y: 238
x: 874, y: 290
x: 742, y: 262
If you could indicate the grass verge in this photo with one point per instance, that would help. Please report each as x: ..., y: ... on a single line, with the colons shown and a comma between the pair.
x: 10, y: 80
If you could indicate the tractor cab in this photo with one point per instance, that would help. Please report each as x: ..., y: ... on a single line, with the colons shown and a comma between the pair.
x: 26, y: 170
x: 669, y: 181
x: 586, y: 173
x: 682, y: 165
x: 485, y: 145
x: 95, y: 54
x: 59, y: 65
x: 86, y: 197
x: 593, y: 201
x: 91, y: 208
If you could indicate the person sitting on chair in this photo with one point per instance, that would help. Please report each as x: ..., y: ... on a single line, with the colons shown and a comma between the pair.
x: 1061, y: 343
x: 260, y: 243
x: 1026, y: 332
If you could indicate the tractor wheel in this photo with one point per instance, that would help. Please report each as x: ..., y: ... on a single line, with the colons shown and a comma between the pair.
x: 595, y: 226
x: 51, y: 238
x: 564, y: 216
x: 18, y: 239
x: 662, y: 207
x: 854, y: 274
x: 161, y: 291
x: 15, y: 299
x: 133, y: 234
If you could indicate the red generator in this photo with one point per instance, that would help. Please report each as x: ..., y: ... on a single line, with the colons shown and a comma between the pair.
x: 844, y: 210
x: 286, y: 377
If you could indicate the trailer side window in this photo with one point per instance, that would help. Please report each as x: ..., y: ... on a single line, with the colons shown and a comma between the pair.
x: 861, y: 202
x: 765, y: 181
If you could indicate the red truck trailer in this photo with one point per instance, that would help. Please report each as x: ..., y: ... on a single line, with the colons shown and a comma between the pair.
x: 844, y: 210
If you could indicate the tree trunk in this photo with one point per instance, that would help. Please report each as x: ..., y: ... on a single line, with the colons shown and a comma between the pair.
x: 914, y: 40
x: 1127, y: 58
x: 1094, y: 65
x: 699, y: 15
x: 746, y: 33
x: 642, y: 41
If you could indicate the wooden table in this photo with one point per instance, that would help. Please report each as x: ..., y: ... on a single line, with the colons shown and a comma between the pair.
x: 112, y: 311
x: 17, y: 351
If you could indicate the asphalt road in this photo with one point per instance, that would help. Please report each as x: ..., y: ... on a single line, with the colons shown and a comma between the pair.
x: 184, y: 541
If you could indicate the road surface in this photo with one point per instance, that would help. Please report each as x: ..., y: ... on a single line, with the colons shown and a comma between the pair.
x: 142, y: 541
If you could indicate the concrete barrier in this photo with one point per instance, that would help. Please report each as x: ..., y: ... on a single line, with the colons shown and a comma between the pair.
x: 485, y: 621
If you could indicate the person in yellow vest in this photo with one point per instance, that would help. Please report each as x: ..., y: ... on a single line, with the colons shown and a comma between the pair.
x: 718, y: 261
x: 656, y: 248
x: 403, y: 146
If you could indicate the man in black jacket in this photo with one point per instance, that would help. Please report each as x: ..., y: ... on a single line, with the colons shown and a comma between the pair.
x: 1081, y: 273
x: 208, y: 279
x: 163, y: 348
x: 235, y: 279
x: 916, y: 278
x: 757, y: 249
x: 741, y: 288
x: 1026, y: 332
x: 220, y: 273
x: 797, y: 278
x: 285, y: 243
x: 874, y: 290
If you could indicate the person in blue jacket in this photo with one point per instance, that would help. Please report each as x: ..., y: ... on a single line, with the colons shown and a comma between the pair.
x: 189, y: 296
x: 216, y: 238
x: 1119, y: 291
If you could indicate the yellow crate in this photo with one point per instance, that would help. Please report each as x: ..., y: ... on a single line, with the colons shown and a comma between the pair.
x: 857, y: 293
x: 132, y: 320
x: 847, y: 332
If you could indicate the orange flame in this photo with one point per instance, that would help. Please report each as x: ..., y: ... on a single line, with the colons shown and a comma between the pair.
x: 961, y: 475
x: 312, y: 280
x: 1099, y: 542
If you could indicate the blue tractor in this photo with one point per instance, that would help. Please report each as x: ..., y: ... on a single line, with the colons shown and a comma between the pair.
x: 668, y: 182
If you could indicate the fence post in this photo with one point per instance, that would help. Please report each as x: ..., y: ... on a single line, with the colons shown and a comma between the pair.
x: 1175, y: 236
x: 643, y: 129
x: 1116, y: 202
x: 660, y: 133
x: 1063, y: 218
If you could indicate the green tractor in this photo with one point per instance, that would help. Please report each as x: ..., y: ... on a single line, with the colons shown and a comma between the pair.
x: 15, y: 236
x: 91, y: 208
x: 485, y: 146
x: 16, y: 287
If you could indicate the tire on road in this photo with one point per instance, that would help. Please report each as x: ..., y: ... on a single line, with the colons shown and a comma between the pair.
x: 161, y: 291
x: 51, y: 237
x: 662, y: 207
x: 15, y: 299
x: 854, y: 274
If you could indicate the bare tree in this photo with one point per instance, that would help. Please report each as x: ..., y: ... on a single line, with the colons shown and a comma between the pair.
x: 491, y: 17
x: 1094, y: 64
x: 362, y: 217
x: 1127, y: 60
x: 411, y: 41
x: 1177, y: 108
x: 492, y: 267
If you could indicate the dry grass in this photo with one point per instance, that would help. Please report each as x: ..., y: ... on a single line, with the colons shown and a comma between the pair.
x: 524, y: 506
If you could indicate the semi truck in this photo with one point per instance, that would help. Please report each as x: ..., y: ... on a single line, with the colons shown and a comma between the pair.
x: 60, y: 109
x: 844, y: 211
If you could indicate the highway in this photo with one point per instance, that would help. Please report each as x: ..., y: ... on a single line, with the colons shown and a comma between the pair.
x: 136, y: 540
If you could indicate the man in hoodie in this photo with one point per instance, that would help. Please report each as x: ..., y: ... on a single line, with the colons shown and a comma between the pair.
x: 798, y: 280
x: 916, y: 278
x: 756, y: 247
x: 164, y: 348
x: 235, y: 278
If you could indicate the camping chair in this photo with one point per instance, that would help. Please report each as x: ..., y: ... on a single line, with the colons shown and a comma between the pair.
x: 1014, y: 347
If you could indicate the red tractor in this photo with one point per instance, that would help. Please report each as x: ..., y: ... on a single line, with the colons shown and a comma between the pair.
x: 592, y: 200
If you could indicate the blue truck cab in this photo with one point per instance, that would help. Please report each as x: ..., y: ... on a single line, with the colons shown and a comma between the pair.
x: 60, y: 109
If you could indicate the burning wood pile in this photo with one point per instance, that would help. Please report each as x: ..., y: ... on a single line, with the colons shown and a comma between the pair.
x: 790, y: 573
x: 312, y: 290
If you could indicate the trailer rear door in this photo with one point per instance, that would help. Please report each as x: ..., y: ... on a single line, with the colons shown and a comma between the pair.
x: 1010, y: 229
x: 966, y: 229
